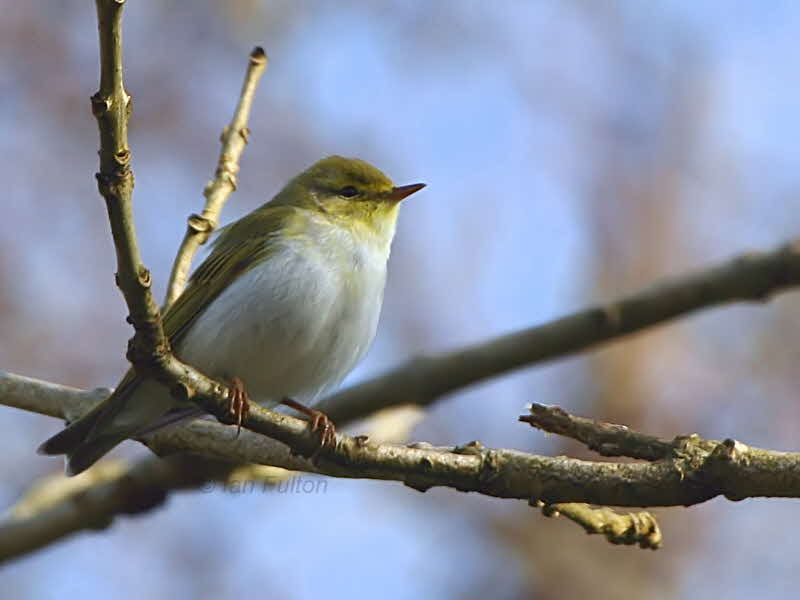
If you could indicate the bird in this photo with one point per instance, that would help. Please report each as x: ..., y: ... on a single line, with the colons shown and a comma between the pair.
x: 284, y: 306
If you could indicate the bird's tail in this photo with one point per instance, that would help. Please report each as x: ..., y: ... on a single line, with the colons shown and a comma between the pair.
x: 86, y: 454
x: 81, y: 440
x: 119, y: 417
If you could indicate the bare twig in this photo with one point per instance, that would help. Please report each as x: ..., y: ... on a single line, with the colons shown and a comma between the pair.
x: 111, y: 106
x: 630, y: 528
x: 751, y: 277
x: 149, y: 349
x: 607, y: 439
x: 234, y: 139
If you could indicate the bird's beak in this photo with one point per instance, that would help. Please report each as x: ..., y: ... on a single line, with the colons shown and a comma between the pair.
x: 398, y: 193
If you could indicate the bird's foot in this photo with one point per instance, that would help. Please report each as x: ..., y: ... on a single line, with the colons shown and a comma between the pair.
x: 238, y: 403
x: 318, y: 421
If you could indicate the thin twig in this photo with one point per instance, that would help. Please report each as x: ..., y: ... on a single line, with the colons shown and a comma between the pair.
x: 607, y: 439
x: 149, y: 349
x: 111, y: 106
x: 630, y: 528
x: 754, y: 276
x: 234, y: 139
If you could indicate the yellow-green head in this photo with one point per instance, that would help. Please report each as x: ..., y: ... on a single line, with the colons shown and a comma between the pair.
x: 349, y: 191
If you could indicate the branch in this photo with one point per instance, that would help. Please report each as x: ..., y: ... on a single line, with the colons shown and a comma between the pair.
x: 702, y: 469
x: 698, y: 469
x: 45, y: 398
x: 728, y: 468
x: 754, y: 276
x: 632, y: 528
x: 693, y: 471
x: 111, y: 106
x: 234, y: 139
x: 58, y: 507
x: 424, y: 380
x: 607, y: 439
x: 149, y: 349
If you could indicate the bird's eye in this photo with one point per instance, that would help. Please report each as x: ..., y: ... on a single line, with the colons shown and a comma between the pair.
x: 348, y: 191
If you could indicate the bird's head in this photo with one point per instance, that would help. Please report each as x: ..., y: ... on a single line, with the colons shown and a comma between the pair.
x: 350, y: 192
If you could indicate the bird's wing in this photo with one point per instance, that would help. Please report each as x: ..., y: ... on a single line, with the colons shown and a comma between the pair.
x: 238, y: 247
x: 227, y: 261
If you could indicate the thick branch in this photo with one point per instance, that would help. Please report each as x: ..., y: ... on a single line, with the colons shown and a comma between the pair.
x: 693, y: 471
x: 57, y: 508
x: 697, y: 471
x: 751, y: 277
x: 234, y: 139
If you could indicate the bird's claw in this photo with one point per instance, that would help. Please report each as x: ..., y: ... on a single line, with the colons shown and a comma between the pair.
x: 238, y: 403
x: 318, y: 422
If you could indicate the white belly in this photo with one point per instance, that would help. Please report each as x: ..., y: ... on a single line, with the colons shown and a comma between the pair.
x: 292, y: 326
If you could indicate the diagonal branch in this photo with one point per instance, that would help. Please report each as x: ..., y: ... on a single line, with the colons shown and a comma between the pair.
x: 424, y: 380
x: 59, y: 507
x: 607, y: 439
x: 754, y: 276
x: 234, y: 139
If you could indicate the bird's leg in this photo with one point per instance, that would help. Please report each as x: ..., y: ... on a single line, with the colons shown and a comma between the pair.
x: 318, y: 421
x: 238, y: 403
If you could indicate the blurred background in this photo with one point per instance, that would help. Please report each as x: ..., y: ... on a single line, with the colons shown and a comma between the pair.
x: 573, y: 150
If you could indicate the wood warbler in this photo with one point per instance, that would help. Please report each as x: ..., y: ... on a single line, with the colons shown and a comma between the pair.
x: 284, y: 307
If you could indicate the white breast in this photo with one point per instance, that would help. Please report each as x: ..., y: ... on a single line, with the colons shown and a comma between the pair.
x: 296, y: 324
